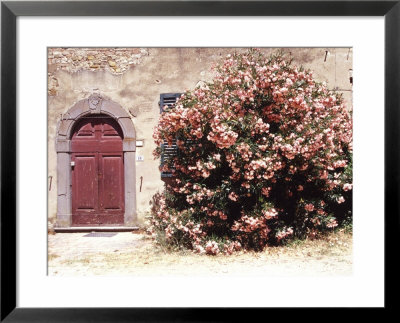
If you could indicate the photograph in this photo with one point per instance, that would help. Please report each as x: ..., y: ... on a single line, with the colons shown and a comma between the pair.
x: 188, y: 161
x: 200, y: 161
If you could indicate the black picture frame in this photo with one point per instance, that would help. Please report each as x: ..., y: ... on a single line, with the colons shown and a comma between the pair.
x: 10, y: 10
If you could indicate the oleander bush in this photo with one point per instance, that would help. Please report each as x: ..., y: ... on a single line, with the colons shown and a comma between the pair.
x: 264, y: 154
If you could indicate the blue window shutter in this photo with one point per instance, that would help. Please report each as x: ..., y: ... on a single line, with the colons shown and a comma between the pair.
x: 167, y: 152
x: 168, y: 99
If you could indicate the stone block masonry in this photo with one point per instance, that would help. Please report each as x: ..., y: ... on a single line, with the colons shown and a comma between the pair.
x: 72, y: 60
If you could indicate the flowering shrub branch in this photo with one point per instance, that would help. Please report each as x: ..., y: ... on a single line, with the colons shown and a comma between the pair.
x: 264, y: 154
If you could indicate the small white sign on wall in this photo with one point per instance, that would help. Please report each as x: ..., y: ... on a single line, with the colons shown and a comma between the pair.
x: 139, y: 158
x: 139, y: 143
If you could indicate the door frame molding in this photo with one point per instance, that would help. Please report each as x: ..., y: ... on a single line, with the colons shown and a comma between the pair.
x: 94, y: 104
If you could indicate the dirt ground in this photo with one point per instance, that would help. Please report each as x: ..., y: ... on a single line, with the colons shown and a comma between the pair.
x: 127, y: 253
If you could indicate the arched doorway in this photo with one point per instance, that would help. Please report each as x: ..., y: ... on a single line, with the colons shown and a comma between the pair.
x: 97, y: 172
x: 96, y: 178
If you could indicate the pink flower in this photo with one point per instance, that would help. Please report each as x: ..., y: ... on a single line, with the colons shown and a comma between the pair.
x: 217, y: 157
x: 339, y: 163
x: 200, y: 249
x: 233, y: 196
x: 271, y: 213
x: 265, y: 191
x: 332, y: 223
x: 340, y: 199
x: 324, y: 175
x: 212, y: 248
x: 347, y: 187
x: 309, y: 207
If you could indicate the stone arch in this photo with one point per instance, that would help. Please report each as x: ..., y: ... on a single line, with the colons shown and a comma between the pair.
x: 95, y: 104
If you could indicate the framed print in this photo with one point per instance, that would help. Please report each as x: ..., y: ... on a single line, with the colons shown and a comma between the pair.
x: 85, y: 165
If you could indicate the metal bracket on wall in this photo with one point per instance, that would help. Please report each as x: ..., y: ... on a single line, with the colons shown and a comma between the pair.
x: 51, y: 180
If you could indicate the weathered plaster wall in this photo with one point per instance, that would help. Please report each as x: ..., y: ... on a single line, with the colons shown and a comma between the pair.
x: 135, y: 77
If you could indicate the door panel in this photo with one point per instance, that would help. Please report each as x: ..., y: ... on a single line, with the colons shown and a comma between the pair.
x: 85, y: 189
x: 110, y: 145
x: 110, y: 131
x: 85, y: 176
x: 85, y: 130
x: 111, y: 182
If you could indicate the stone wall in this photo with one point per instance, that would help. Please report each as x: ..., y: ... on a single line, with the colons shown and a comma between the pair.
x: 135, y: 77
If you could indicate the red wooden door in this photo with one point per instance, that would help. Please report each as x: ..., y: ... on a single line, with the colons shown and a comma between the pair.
x: 97, y: 163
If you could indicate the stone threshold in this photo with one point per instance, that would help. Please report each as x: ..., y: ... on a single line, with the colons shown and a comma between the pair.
x: 96, y: 229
